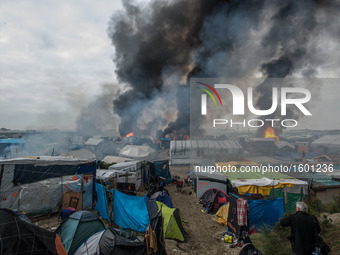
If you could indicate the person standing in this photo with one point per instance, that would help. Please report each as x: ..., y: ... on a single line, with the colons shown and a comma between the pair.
x: 304, y: 229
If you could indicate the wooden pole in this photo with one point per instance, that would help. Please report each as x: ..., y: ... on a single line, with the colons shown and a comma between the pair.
x: 285, y: 193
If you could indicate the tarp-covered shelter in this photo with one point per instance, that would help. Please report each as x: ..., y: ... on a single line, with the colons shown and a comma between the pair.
x: 263, y: 211
x: 172, y: 222
x: 107, y: 242
x: 36, y: 185
x: 272, y: 183
x: 130, y: 212
x: 77, y: 228
x: 18, y: 236
x: 129, y: 173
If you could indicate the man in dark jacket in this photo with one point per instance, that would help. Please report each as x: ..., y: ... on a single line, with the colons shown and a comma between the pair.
x: 304, y: 228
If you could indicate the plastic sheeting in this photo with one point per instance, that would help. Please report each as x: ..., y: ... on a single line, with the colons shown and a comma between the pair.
x: 44, y: 195
x: 265, y: 212
x: 102, y: 205
x: 24, y: 173
x: 48, y: 192
x: 130, y: 211
x: 292, y: 199
x: 127, y: 172
x: 263, y: 190
x: 257, y: 182
x: 105, y: 175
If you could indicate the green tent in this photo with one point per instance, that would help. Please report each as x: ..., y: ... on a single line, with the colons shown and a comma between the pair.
x: 172, y: 222
x: 77, y: 228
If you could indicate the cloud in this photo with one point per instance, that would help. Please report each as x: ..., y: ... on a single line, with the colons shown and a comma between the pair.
x: 49, y: 51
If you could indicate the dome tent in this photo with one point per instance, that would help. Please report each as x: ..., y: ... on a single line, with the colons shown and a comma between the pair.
x: 77, y: 228
x: 172, y: 222
x: 107, y: 242
x: 18, y: 236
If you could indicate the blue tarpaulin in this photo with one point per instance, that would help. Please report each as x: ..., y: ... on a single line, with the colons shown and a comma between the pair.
x: 102, y: 206
x: 131, y: 212
x: 12, y: 141
x: 265, y: 212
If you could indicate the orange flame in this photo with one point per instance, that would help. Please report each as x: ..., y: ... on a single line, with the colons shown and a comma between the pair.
x: 130, y: 134
x: 270, y: 133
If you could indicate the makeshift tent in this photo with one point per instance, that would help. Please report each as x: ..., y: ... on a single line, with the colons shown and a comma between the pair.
x: 128, y: 173
x: 173, y: 227
x: 163, y: 197
x: 131, y: 166
x: 21, y: 179
x: 213, y: 199
x: 130, y: 211
x: 77, y: 228
x: 107, y: 242
x: 161, y: 169
x: 263, y: 211
x: 18, y: 236
x: 267, y: 183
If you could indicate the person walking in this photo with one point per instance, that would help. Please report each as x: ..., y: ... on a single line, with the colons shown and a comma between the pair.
x: 304, y: 229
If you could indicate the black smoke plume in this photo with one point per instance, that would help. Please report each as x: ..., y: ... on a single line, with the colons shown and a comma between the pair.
x: 197, y: 38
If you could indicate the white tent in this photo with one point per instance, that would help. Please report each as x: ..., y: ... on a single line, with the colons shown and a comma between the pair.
x: 137, y: 152
x: 115, y: 159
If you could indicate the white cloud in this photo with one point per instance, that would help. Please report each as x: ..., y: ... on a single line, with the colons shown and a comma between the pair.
x: 54, y: 57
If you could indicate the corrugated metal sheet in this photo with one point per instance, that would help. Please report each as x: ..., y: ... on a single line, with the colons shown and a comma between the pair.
x: 180, y: 145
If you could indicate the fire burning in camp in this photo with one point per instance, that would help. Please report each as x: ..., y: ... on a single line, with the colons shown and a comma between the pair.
x: 270, y: 133
x: 130, y: 134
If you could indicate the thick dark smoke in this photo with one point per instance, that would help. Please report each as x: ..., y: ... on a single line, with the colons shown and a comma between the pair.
x: 293, y: 26
x: 159, y: 44
x: 147, y: 40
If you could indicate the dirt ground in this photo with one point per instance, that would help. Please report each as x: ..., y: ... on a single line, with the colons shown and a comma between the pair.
x: 204, y: 234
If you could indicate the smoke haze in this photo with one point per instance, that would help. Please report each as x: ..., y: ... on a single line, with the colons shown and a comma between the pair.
x: 159, y: 45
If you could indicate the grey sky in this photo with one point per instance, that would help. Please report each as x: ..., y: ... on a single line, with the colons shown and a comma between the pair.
x: 54, y: 57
